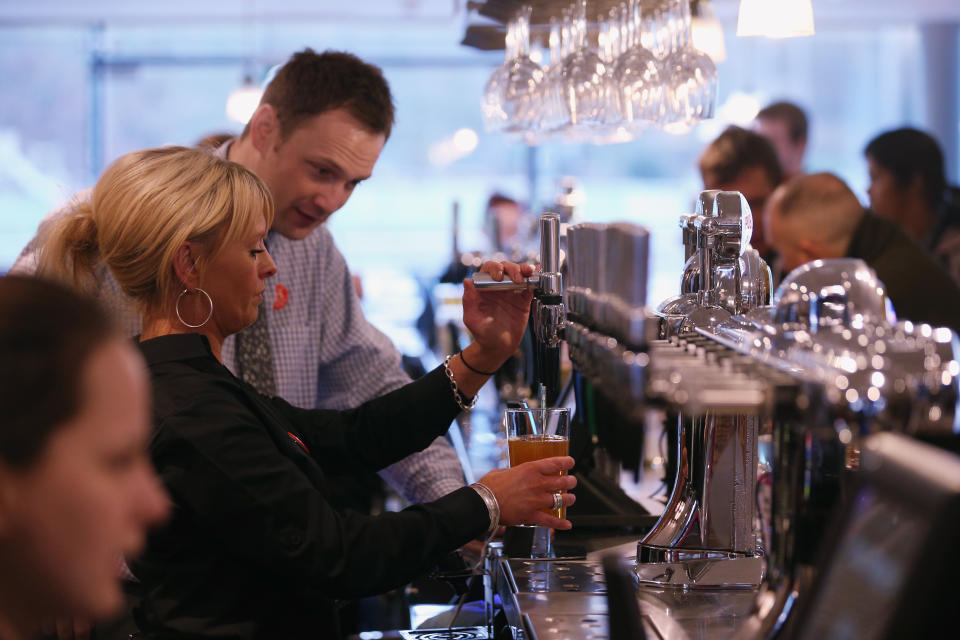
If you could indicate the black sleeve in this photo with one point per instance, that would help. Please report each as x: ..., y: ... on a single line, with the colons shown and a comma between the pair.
x: 223, y: 467
x: 380, y: 431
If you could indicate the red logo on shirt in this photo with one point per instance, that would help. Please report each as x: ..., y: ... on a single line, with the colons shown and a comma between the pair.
x: 298, y: 441
x: 281, y: 298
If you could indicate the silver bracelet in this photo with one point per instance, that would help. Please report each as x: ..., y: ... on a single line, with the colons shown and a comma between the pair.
x: 493, y: 507
x: 456, y: 390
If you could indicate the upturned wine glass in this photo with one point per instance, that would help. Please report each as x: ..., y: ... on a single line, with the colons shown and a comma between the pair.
x: 511, y: 91
x: 636, y: 73
x: 582, y: 77
x: 691, y: 83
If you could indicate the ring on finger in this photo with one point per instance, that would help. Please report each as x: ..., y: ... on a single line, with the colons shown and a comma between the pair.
x: 557, y: 501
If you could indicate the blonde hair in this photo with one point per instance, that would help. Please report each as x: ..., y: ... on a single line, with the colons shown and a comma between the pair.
x: 143, y: 208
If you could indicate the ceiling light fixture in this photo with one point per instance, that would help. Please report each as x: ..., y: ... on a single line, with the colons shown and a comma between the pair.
x: 775, y: 18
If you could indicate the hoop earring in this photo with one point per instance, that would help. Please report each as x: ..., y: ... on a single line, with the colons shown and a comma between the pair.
x: 176, y: 308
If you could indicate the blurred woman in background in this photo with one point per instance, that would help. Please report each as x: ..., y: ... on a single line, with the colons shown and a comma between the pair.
x: 908, y: 185
x: 77, y: 491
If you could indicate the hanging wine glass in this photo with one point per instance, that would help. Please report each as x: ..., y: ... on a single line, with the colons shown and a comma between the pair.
x: 511, y: 91
x: 552, y: 114
x: 610, y: 46
x: 657, y: 35
x: 491, y: 106
x: 639, y: 85
x: 691, y: 87
x: 582, y: 77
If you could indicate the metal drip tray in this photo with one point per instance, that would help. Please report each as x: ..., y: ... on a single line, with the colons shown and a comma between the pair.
x: 456, y: 633
x: 571, y: 626
x: 568, y: 599
x: 532, y: 576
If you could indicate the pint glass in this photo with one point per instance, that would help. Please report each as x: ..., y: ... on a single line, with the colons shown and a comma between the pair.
x: 533, y: 434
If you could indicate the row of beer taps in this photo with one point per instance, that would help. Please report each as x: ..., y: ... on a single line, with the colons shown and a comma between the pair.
x: 808, y: 371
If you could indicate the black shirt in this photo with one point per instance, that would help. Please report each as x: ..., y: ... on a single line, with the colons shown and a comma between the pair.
x: 919, y: 288
x: 253, y: 548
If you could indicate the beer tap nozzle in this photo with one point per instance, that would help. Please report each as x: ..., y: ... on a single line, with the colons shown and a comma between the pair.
x: 548, y: 313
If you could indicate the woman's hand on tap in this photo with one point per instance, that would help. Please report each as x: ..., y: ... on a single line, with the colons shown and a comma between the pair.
x: 522, y: 491
x: 496, y: 319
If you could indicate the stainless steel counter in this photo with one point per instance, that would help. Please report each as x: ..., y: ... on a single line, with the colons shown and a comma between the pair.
x: 552, y: 599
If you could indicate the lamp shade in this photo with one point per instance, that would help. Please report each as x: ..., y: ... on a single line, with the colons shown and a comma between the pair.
x: 775, y: 18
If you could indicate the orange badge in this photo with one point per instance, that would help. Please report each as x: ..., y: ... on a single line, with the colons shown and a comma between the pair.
x: 281, y: 298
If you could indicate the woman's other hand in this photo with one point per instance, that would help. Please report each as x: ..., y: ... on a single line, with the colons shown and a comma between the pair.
x: 524, y: 490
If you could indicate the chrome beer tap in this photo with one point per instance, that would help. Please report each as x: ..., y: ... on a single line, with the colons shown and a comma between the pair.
x: 705, y: 537
x: 773, y: 403
x: 723, y: 275
x: 547, y: 284
x: 548, y: 313
x: 858, y: 371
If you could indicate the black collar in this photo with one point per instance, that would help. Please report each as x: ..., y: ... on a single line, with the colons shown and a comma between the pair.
x: 180, y: 346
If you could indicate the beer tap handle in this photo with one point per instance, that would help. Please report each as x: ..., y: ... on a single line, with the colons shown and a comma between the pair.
x: 547, y: 282
x: 551, y: 282
x: 484, y: 282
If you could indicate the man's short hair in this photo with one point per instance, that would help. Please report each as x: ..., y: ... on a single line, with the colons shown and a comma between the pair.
x: 312, y: 83
x: 733, y: 151
x: 906, y: 153
x: 792, y: 115
x: 496, y: 199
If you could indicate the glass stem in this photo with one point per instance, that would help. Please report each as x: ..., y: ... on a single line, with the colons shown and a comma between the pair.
x: 556, y: 53
x: 580, y: 32
x: 683, y: 35
x: 523, y: 31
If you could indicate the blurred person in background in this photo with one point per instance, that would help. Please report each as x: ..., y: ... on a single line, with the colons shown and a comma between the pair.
x: 786, y: 126
x: 77, y: 490
x: 817, y: 216
x: 744, y: 161
x: 254, y: 549
x: 505, y: 224
x: 908, y: 185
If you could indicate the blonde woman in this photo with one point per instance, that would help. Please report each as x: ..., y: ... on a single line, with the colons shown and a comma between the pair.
x: 77, y: 491
x: 253, y: 549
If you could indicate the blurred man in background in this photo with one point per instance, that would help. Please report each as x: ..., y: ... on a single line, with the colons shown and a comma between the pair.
x: 502, y: 221
x: 741, y: 160
x: 817, y: 217
x: 786, y: 126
